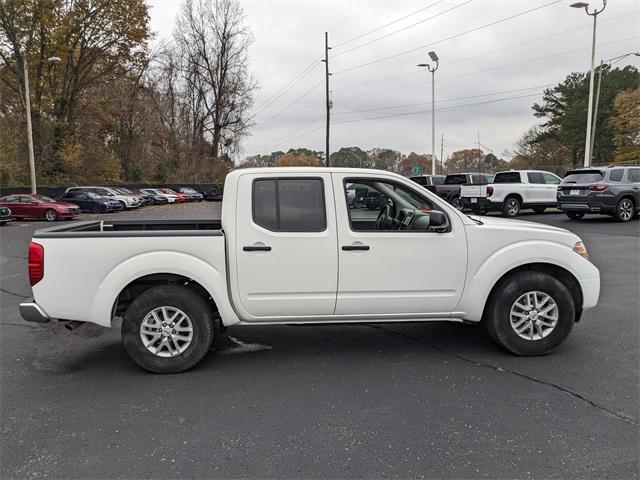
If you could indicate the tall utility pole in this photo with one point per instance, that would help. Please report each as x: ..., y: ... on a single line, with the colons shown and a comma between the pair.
x: 328, y: 101
x: 434, y: 57
x: 27, y: 107
x: 594, y: 14
x: 441, y: 153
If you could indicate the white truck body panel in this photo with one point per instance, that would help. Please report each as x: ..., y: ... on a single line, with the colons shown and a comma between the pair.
x: 307, y: 277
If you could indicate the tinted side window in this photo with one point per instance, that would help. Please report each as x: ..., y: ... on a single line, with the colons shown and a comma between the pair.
x: 419, y: 180
x: 634, y: 173
x: 264, y: 204
x: 507, y: 177
x: 455, y: 179
x: 535, y: 177
x: 290, y: 204
x: 616, y: 175
x: 301, y: 203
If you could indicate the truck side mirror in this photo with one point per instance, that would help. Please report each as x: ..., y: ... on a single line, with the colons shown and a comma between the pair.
x: 437, y: 219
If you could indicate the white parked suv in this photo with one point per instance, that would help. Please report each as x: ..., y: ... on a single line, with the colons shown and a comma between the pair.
x: 127, y: 201
x: 511, y: 191
x: 289, y: 250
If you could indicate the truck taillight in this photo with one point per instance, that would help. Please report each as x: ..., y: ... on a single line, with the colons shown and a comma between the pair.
x: 489, y: 191
x: 36, y: 263
x: 598, y: 187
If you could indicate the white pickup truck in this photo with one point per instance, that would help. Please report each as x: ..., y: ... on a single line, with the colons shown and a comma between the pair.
x: 512, y: 191
x: 289, y: 250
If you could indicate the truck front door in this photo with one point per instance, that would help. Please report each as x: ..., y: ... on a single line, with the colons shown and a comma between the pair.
x: 387, y: 269
x: 286, y: 261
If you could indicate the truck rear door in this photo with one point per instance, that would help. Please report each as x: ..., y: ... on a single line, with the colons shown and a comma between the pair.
x: 286, y: 262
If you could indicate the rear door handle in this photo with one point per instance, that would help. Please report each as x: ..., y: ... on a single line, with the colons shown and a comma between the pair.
x: 257, y: 248
x: 348, y: 248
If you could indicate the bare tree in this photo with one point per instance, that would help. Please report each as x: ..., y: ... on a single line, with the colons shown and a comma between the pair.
x: 213, y: 43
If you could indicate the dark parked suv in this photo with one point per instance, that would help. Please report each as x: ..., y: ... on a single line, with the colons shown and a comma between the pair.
x: 611, y: 191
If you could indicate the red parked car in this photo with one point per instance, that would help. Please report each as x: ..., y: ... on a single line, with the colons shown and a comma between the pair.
x: 39, y: 206
x: 181, y: 196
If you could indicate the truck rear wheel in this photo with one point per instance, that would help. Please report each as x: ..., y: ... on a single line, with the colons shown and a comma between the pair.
x: 511, y: 207
x: 168, y: 329
x: 530, y: 313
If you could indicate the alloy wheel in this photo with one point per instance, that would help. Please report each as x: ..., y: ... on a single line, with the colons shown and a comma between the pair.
x: 534, y: 315
x: 166, y: 331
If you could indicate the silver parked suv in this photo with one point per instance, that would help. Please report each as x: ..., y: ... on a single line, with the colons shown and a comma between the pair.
x: 127, y: 201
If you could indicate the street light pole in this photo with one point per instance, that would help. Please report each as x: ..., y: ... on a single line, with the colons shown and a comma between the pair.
x: 594, y: 14
x: 434, y: 57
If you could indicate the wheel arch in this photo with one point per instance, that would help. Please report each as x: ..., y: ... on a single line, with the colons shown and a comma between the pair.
x: 558, y: 272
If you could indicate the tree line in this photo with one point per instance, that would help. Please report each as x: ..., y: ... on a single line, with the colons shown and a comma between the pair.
x: 106, y: 108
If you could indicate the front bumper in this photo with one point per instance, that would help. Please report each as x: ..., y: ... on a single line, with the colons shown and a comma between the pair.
x: 32, y: 312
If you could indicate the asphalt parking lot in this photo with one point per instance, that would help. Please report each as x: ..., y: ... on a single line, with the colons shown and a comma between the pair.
x: 403, y: 400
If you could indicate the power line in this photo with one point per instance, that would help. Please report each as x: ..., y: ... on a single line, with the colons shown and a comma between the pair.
x: 290, y: 104
x: 287, y: 135
x: 454, y: 107
x: 306, y: 71
x: 448, y: 99
x: 387, y: 24
x: 510, y: 17
x: 403, y: 29
x: 416, y: 72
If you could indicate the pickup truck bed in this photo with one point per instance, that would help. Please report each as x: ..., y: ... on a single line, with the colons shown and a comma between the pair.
x: 127, y: 228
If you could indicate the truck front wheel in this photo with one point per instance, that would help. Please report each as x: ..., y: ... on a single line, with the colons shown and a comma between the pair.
x: 168, y: 329
x: 530, y: 313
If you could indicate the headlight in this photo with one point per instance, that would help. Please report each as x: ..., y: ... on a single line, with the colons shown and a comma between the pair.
x: 580, y: 249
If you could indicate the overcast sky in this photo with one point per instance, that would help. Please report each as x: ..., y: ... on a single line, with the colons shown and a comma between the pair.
x: 486, y: 82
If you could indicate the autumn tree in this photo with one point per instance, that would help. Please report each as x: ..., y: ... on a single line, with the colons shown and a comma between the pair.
x: 626, y: 126
x: 468, y: 160
x: 416, y: 160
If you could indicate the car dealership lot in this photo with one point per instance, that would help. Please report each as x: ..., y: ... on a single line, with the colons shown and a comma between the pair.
x: 401, y: 400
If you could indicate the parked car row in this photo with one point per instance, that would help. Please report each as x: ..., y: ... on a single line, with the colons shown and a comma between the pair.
x: 613, y: 191
x: 95, y: 199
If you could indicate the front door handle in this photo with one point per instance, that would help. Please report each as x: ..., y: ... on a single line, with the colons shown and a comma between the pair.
x: 257, y: 248
x: 349, y: 248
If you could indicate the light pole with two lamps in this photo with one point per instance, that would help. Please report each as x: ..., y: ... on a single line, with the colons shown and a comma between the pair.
x: 594, y: 14
x: 434, y: 58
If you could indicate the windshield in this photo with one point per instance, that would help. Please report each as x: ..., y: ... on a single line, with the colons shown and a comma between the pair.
x: 583, y: 177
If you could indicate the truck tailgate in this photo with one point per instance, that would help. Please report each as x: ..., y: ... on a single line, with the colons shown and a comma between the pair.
x: 473, y: 191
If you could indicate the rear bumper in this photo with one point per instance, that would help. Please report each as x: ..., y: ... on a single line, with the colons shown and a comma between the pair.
x: 482, y: 203
x: 32, y: 312
x: 586, y: 207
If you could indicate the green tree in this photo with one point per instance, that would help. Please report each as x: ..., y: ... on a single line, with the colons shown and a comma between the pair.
x: 350, y: 157
x: 564, y: 108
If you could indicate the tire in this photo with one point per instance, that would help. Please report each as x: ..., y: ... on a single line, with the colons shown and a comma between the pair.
x: 124, y: 205
x: 199, y: 319
x: 511, y: 207
x: 539, y: 210
x: 455, y: 201
x: 97, y: 208
x: 625, y: 210
x: 50, y: 215
x: 513, y: 289
x: 575, y: 216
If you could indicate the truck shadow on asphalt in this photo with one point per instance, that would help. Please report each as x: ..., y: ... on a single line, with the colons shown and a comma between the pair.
x: 95, y: 349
